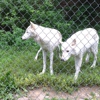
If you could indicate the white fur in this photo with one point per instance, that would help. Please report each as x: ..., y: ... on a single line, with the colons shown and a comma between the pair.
x: 82, y: 41
x: 47, y: 38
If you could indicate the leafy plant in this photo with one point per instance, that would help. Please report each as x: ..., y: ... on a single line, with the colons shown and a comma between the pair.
x: 7, y: 86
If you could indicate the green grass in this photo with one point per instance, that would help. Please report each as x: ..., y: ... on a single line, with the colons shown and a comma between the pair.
x: 19, y: 70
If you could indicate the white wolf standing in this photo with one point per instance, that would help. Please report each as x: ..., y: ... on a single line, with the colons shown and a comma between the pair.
x: 47, y: 38
x: 82, y: 41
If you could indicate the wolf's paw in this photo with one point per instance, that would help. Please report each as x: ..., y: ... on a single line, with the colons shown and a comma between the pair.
x: 35, y: 59
x: 93, y: 66
x: 41, y: 73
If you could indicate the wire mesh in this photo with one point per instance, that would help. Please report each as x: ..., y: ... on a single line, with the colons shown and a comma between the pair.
x: 48, y: 23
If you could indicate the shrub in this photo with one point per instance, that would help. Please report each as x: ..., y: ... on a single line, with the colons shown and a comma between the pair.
x: 8, y: 39
x: 49, y: 13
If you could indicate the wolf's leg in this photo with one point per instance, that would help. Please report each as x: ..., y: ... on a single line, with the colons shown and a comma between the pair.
x: 44, y: 62
x: 59, y: 51
x: 87, y: 57
x: 78, y: 63
x: 94, y: 50
x: 37, y: 54
x: 51, y: 62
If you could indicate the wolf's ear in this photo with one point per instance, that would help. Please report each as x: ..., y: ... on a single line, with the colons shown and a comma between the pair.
x: 32, y: 25
x: 74, y: 42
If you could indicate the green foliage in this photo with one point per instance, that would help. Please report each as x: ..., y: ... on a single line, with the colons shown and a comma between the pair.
x: 17, y: 14
x: 48, y: 13
x: 8, y: 39
x: 12, y: 12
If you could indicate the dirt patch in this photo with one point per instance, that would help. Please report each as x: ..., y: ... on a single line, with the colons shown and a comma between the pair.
x: 92, y: 93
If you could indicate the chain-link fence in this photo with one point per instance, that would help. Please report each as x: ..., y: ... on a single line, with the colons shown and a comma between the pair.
x: 50, y: 22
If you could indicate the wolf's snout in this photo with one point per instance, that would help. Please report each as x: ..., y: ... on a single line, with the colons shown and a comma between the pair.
x: 62, y: 59
x: 22, y: 38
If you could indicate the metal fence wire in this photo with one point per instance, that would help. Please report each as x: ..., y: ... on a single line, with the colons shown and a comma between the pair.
x: 60, y: 64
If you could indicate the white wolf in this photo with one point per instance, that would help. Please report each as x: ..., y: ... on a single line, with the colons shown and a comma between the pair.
x: 82, y: 41
x: 47, y: 38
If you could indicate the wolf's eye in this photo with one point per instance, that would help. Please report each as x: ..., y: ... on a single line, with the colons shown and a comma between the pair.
x: 67, y: 50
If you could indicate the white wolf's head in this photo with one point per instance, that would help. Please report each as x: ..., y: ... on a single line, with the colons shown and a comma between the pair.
x: 67, y: 49
x: 30, y: 32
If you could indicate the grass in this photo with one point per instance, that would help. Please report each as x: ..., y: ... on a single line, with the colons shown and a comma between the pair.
x: 19, y: 70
